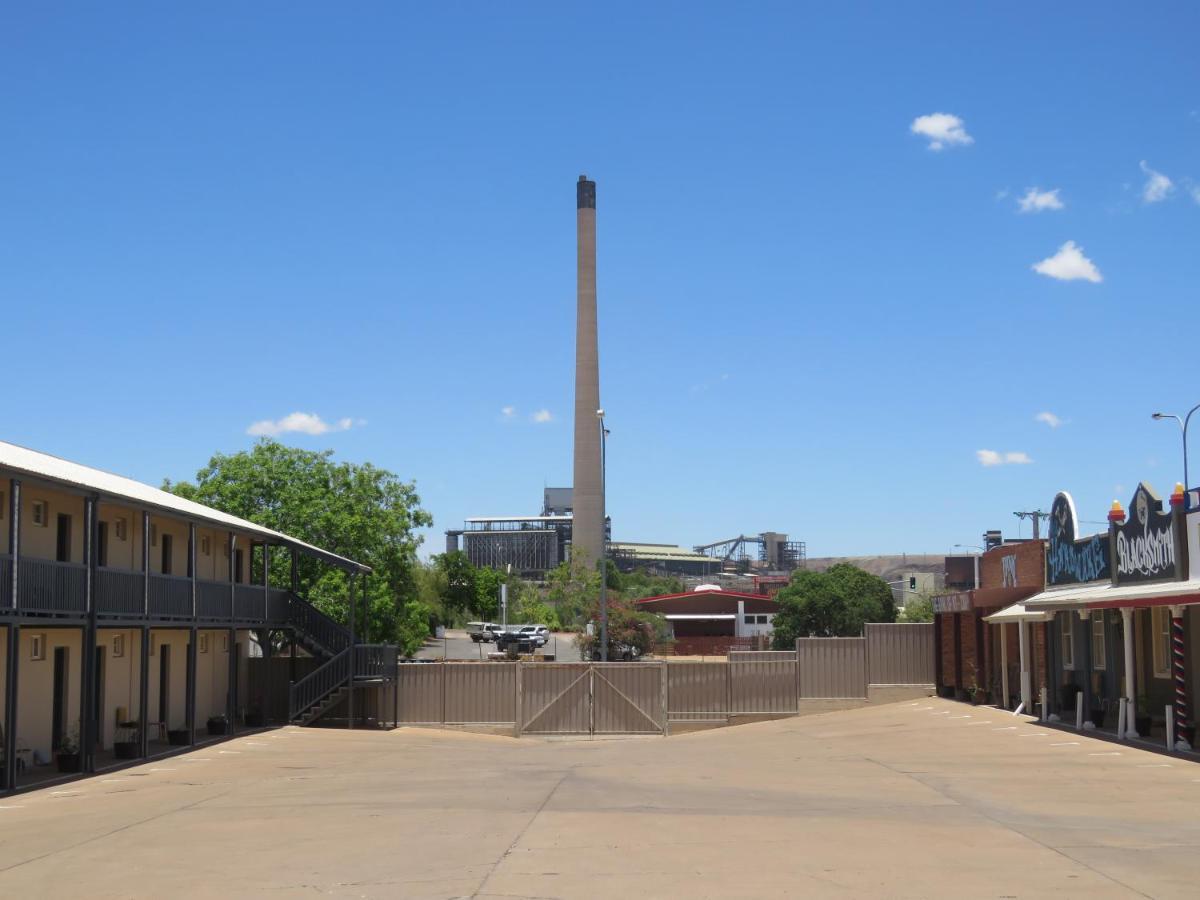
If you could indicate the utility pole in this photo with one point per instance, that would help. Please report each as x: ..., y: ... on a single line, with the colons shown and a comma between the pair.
x: 1036, y: 515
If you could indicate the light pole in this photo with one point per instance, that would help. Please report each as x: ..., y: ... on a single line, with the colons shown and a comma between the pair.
x: 603, y: 537
x: 1183, y: 426
x: 975, y: 556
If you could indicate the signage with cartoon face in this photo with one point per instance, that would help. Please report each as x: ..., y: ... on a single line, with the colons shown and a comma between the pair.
x: 1146, y: 540
x: 1071, y: 560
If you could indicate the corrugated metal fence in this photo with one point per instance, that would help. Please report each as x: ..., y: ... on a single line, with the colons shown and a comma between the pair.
x: 643, y: 697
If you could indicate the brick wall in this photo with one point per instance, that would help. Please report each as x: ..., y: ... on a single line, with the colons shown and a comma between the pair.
x: 708, y: 645
x: 966, y: 628
x: 949, y: 678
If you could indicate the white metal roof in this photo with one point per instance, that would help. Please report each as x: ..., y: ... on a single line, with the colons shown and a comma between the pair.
x: 117, y: 487
x: 685, y: 616
x: 519, y: 519
x: 1017, y: 613
x: 1085, y: 596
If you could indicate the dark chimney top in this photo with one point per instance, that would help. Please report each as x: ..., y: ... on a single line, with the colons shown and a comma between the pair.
x: 585, y: 193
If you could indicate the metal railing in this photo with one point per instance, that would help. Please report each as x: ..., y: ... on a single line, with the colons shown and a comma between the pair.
x: 374, y: 660
x: 310, y: 690
x: 52, y: 587
x: 170, y: 596
x: 212, y: 600
x: 5, y: 581
x: 119, y: 592
x: 321, y: 630
x: 248, y: 600
x: 278, y: 603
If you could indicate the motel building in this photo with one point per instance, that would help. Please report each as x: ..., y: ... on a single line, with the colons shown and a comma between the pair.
x: 1120, y: 616
x: 709, y: 621
x: 135, y: 622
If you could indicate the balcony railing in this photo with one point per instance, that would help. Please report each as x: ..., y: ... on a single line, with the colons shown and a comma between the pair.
x: 374, y: 660
x: 51, y: 587
x: 323, y: 631
x: 213, y: 600
x: 5, y: 582
x: 278, y: 603
x: 249, y: 602
x: 119, y: 593
x: 170, y: 597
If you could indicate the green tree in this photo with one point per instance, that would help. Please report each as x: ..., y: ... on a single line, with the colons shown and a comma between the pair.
x: 833, y: 603
x: 627, y: 626
x: 639, y: 583
x: 460, y: 593
x: 570, y: 588
x: 487, y: 594
x: 354, y: 510
x: 918, y: 608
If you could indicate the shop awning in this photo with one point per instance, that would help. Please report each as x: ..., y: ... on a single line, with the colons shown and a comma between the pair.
x: 1017, y: 613
x: 1108, y: 596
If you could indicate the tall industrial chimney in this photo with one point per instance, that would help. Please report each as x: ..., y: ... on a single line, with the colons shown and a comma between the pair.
x: 587, y: 500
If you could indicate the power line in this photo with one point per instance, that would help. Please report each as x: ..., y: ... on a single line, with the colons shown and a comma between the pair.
x: 1036, y: 515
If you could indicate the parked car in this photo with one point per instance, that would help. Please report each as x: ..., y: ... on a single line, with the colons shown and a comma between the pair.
x: 538, y: 634
x: 618, y: 651
x: 486, y: 632
x: 525, y: 643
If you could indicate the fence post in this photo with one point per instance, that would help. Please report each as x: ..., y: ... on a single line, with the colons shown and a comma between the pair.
x: 591, y: 698
x: 797, y: 676
x: 665, y: 697
x: 517, y: 726
x: 445, y: 677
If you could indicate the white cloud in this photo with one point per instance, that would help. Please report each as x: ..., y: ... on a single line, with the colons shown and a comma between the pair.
x: 1036, y: 200
x: 1049, y: 418
x: 508, y: 412
x: 942, y: 129
x: 541, y: 416
x: 1195, y: 191
x: 995, y: 458
x: 1157, y: 185
x: 1069, y: 264
x: 301, y: 423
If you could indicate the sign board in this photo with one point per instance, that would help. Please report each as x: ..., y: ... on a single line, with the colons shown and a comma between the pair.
x: 952, y: 603
x: 1072, y: 560
x: 1145, y: 542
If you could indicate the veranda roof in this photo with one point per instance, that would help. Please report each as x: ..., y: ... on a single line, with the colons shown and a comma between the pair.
x: 1106, y: 595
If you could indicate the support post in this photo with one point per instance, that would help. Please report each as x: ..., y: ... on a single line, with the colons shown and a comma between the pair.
x: 12, y: 666
x: 294, y: 576
x: 353, y: 659
x: 144, y: 691
x: 1003, y: 665
x: 396, y: 694
x: 145, y: 563
x: 519, y: 715
x: 666, y: 720
x: 1042, y: 700
x: 1179, y: 670
x: 1130, y: 679
x: 193, y: 646
x: 231, y: 697
x: 87, y: 694
x: 1026, y: 677
x: 1122, y: 713
x: 266, y: 578
x: 1079, y: 711
x: 1170, y: 729
x: 14, y: 537
x: 231, y: 640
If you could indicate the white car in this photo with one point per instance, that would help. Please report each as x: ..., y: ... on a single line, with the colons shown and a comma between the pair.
x: 483, y: 631
x: 538, y: 635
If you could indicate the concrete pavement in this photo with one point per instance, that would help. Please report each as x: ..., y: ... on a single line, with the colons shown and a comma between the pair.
x: 927, y: 799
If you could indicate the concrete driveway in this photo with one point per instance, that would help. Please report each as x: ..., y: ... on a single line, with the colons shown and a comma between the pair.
x: 933, y: 799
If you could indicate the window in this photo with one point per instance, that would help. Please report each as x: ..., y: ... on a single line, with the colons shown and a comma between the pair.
x: 1067, y: 630
x: 37, y: 646
x: 1160, y: 634
x: 120, y: 529
x: 1099, y: 661
x: 153, y: 535
x: 118, y: 645
x: 41, y: 514
x: 2, y: 504
x: 206, y: 545
x: 203, y: 641
x: 749, y: 619
x: 224, y: 643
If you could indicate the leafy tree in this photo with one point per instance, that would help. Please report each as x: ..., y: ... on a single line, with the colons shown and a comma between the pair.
x: 833, y: 603
x: 486, y: 605
x: 570, y: 588
x: 918, y: 608
x: 460, y: 593
x: 627, y: 625
x: 355, y: 510
x: 640, y: 583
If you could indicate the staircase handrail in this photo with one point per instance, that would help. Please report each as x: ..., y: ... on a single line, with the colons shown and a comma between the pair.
x: 319, y: 627
x: 318, y: 684
x: 375, y: 660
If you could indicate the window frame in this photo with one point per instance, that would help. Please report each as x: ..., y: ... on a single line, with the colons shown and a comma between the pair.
x: 1160, y: 640
x: 1066, y: 647
x: 39, y: 513
x: 1096, y: 624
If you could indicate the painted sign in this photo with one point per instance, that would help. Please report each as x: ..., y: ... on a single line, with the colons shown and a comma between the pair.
x: 1008, y: 570
x: 1146, y: 540
x: 952, y: 603
x: 1071, y: 560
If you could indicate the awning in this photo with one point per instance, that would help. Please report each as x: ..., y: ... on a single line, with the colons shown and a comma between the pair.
x: 1017, y: 613
x: 1108, y: 596
x: 671, y: 617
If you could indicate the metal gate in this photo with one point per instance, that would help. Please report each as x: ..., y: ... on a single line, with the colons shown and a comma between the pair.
x: 591, y: 698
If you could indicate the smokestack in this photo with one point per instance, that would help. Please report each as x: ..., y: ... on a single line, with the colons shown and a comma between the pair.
x: 587, y: 528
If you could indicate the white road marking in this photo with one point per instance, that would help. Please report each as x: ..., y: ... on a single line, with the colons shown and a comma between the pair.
x: 960, y: 717
x: 1154, y: 765
x: 1036, y: 734
x: 1006, y: 728
x: 978, y: 723
x: 1109, y: 753
x: 12, y: 807
x: 230, y: 751
x: 162, y: 770
x: 1066, y: 744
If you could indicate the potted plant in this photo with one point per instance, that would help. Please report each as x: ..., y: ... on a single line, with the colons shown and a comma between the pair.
x: 178, y: 737
x: 218, y: 725
x: 68, y: 751
x: 125, y: 742
x: 254, y: 717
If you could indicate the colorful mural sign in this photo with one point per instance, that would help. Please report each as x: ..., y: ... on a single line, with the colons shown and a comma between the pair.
x: 1145, y: 543
x: 1072, y: 560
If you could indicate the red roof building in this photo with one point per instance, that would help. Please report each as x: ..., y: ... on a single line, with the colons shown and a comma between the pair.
x: 710, y: 621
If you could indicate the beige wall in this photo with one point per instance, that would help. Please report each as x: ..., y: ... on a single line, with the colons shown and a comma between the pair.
x: 120, y: 688
x: 38, y: 540
x: 36, y: 685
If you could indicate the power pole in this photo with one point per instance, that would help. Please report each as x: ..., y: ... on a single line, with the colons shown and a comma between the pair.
x: 1036, y: 515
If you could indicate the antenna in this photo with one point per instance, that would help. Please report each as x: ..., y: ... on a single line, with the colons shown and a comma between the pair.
x: 1036, y: 515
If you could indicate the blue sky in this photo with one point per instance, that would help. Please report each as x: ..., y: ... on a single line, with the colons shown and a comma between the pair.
x: 812, y: 321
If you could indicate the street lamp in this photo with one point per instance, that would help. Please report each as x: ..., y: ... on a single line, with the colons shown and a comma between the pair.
x: 1183, y: 426
x: 603, y: 537
x: 976, y: 557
